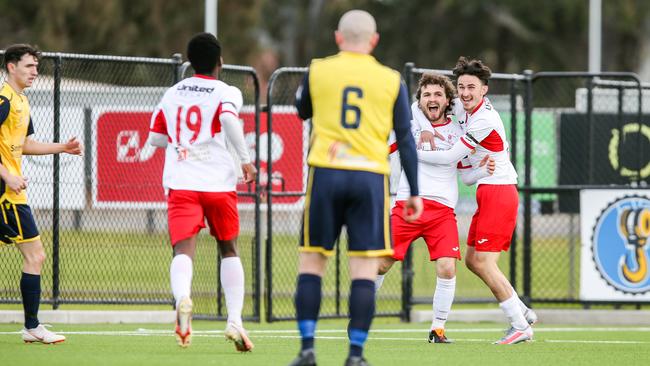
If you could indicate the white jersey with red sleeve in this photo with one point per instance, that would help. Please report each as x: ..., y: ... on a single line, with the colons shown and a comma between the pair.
x: 437, y: 182
x: 196, y: 156
x: 484, y: 132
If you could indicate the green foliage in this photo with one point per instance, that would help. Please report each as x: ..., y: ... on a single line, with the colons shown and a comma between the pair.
x: 510, y: 35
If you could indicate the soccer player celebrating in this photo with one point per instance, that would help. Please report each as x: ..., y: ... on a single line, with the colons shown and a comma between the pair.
x: 494, y: 220
x: 18, y: 225
x: 439, y: 190
x: 353, y: 102
x: 200, y: 180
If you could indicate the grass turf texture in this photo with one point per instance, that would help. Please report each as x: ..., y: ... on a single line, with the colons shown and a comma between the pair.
x: 114, y: 267
x: 389, y: 343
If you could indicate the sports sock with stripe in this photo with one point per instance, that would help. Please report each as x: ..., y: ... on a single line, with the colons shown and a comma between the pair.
x: 307, y: 301
x: 362, y: 310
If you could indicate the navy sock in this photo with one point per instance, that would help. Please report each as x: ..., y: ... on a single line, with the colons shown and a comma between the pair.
x: 30, y: 288
x: 307, y: 300
x: 362, y: 310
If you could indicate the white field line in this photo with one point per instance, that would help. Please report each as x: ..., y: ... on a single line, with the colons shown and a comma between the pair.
x: 143, y: 331
x: 292, y: 334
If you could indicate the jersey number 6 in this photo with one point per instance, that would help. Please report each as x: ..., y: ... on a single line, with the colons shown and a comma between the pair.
x: 351, y: 123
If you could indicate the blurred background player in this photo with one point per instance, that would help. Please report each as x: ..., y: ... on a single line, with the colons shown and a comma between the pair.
x: 495, y: 218
x: 439, y: 190
x: 19, y: 227
x: 200, y: 180
x: 353, y: 102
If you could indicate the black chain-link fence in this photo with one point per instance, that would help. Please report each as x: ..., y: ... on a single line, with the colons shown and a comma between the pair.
x: 102, y: 216
x: 592, y: 129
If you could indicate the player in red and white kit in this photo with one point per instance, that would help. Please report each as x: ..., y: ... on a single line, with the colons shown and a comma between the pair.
x: 439, y: 190
x: 494, y: 221
x: 192, y: 122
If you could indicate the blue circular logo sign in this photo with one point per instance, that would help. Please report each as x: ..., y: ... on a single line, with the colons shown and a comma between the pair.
x: 620, y: 244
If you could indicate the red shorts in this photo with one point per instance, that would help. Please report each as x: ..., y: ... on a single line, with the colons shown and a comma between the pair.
x: 437, y: 226
x: 187, y: 212
x: 495, y: 218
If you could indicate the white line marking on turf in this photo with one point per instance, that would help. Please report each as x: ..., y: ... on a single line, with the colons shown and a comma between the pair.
x: 292, y: 334
x: 143, y: 331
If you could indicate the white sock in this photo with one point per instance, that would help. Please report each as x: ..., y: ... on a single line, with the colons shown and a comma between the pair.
x: 232, y: 281
x: 514, y: 313
x: 522, y: 306
x: 180, y: 273
x: 442, y: 300
x: 379, y: 281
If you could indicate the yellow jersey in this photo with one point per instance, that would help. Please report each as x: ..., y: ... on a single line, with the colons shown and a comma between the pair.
x: 15, y: 126
x: 352, y: 99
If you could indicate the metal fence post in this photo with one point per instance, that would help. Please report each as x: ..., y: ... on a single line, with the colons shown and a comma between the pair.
x: 590, y: 131
x: 527, y: 257
x: 257, y: 245
x: 56, y: 134
x: 513, y: 158
x: 268, y: 262
x: 407, y: 264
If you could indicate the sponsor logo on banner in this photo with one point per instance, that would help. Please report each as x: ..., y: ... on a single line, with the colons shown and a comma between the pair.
x: 129, y: 171
x: 620, y: 244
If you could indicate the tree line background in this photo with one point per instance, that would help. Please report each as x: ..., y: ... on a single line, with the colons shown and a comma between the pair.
x: 510, y: 35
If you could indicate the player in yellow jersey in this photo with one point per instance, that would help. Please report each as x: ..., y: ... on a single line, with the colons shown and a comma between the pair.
x: 353, y: 102
x: 17, y: 221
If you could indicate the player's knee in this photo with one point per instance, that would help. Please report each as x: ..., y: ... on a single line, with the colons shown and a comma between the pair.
x: 473, y: 265
x: 446, y: 270
x: 35, y: 259
x: 228, y: 248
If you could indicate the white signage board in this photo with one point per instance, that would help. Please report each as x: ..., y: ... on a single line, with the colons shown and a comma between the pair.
x: 615, y: 256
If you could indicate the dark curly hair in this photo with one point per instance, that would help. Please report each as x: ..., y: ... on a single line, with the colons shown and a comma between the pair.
x: 466, y: 66
x: 429, y: 78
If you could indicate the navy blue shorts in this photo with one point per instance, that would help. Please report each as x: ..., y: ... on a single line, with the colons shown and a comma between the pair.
x: 17, y: 224
x: 356, y: 199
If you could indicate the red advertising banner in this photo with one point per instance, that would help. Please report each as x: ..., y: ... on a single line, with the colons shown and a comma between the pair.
x: 129, y: 171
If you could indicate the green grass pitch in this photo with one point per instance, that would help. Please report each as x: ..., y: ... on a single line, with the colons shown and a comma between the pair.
x: 390, y: 343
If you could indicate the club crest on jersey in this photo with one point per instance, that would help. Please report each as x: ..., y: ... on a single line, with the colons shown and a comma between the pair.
x: 181, y: 152
x: 620, y: 244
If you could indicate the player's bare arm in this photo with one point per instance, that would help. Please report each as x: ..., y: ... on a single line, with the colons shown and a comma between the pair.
x: 33, y: 147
